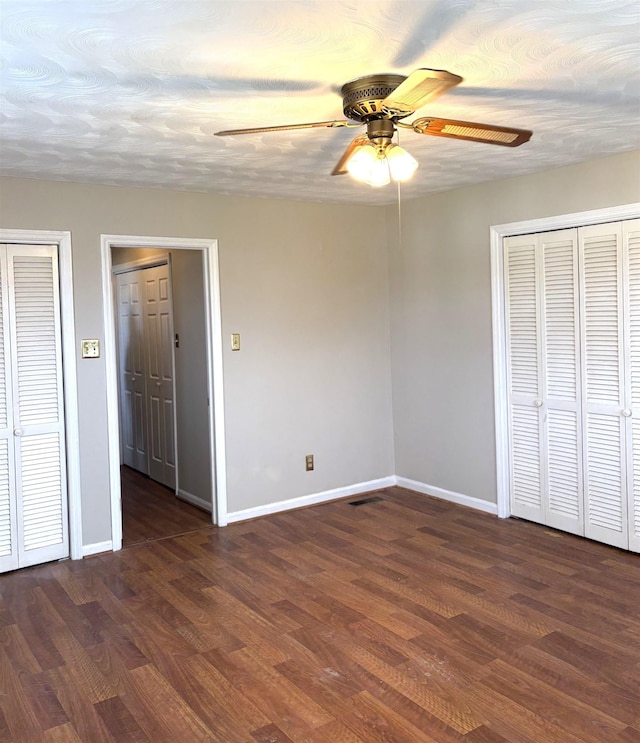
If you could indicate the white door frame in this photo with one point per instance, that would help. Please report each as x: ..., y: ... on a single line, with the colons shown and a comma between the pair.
x: 497, y: 234
x: 213, y: 320
x: 62, y: 240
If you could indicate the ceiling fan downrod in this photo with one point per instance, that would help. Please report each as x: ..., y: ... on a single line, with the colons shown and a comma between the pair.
x: 380, y: 132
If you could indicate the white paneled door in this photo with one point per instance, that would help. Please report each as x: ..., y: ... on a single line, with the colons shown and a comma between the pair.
x: 159, y: 364
x: 146, y: 359
x: 33, y: 488
x: 132, y: 378
x: 572, y: 320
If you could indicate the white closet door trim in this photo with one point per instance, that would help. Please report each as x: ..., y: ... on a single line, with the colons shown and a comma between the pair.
x: 69, y: 375
x: 497, y: 234
x: 209, y: 250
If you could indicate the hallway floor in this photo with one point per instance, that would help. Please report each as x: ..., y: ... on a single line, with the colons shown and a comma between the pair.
x: 151, y: 511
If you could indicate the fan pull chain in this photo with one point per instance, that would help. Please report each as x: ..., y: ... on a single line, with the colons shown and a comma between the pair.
x: 399, y: 199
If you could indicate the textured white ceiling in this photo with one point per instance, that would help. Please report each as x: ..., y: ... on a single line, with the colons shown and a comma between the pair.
x: 131, y: 91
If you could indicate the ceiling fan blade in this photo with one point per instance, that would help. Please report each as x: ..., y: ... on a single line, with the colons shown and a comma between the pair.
x: 502, y: 135
x: 341, y: 165
x: 284, y: 128
x: 420, y: 87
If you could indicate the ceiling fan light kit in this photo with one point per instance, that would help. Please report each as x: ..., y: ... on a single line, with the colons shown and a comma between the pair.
x: 380, y: 102
x: 377, y: 166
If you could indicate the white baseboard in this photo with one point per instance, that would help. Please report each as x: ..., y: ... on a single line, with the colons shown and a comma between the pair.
x: 194, y: 500
x: 311, y: 500
x: 459, y: 498
x: 94, y: 549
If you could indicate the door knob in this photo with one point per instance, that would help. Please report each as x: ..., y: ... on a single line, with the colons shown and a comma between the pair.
x: 626, y: 412
x: 17, y: 432
x: 157, y: 384
x: 133, y: 379
x: 538, y: 403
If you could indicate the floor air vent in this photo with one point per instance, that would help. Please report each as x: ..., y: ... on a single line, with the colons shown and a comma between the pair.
x: 372, y: 499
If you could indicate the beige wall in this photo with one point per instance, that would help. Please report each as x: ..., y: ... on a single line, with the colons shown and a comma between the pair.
x: 441, y: 313
x: 306, y: 285
x: 309, y: 288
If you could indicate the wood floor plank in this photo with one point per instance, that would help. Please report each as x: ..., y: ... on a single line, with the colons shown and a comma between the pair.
x: 270, y: 734
x: 372, y: 720
x: 78, y: 707
x: 272, y: 694
x: 406, y: 620
x: 336, y: 732
x: 120, y: 722
x: 621, y: 703
x: 62, y: 734
x: 555, y: 706
x: 19, y: 717
x: 173, y: 718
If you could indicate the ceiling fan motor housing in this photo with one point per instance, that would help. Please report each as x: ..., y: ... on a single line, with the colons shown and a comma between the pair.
x: 362, y: 97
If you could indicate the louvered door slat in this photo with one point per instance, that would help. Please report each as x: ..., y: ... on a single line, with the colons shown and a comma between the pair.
x: 525, y: 453
x: 560, y: 342
x: 564, y: 471
x: 34, y: 313
x: 7, y: 528
x: 522, y: 318
x: 7, y: 518
x: 631, y: 241
x: 8, y: 515
x: 601, y: 261
x: 601, y: 319
x: 523, y: 375
x: 560, y: 315
x: 36, y: 335
x: 604, y: 476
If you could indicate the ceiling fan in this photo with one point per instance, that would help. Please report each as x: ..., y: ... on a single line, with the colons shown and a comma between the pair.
x: 380, y: 102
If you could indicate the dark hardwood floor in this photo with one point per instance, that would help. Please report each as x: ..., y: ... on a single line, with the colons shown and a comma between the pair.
x: 152, y: 511
x: 405, y: 620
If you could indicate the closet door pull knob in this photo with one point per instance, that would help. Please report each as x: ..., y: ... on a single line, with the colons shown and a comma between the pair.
x: 17, y: 432
x: 538, y: 403
x: 626, y: 412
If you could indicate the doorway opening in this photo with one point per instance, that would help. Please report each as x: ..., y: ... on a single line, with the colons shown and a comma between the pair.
x: 164, y: 386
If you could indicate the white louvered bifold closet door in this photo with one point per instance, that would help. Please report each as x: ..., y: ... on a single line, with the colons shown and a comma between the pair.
x: 572, y: 324
x: 560, y: 349
x: 601, y: 282
x: 524, y: 377
x: 32, y: 321
x: 542, y: 350
x: 8, y: 524
x: 631, y: 267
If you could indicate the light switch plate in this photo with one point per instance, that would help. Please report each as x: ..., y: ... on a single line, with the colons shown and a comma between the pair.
x: 90, y: 348
x: 235, y: 341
